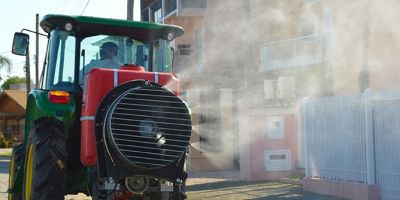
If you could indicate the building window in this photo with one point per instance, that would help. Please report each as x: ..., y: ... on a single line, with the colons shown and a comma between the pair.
x: 156, y: 8
x: 146, y: 15
x: 308, y: 25
x: 210, y: 122
x: 277, y: 160
x: 198, y: 48
x: 275, y: 128
x: 157, y: 15
x: 270, y: 87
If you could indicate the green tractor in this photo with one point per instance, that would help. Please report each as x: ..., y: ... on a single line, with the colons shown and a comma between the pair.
x: 106, y: 119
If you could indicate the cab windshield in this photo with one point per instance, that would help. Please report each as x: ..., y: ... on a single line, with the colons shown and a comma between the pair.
x: 60, y: 73
x: 100, y: 51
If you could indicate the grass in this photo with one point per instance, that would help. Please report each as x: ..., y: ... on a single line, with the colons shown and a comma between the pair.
x: 5, y: 152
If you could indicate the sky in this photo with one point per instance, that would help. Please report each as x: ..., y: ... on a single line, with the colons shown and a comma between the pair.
x: 16, y: 15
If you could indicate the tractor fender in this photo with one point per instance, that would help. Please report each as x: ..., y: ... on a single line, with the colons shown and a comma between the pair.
x: 38, y: 105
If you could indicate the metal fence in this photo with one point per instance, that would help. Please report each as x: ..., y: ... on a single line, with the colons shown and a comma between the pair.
x: 387, y: 147
x: 354, y: 139
x: 335, y: 139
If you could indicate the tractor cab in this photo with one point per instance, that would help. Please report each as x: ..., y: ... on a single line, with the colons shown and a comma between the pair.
x: 78, y: 44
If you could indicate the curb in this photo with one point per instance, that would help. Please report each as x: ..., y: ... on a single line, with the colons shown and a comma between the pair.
x: 292, y: 181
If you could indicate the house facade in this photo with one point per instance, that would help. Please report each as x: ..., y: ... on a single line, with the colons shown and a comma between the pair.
x: 252, y: 62
x: 211, y: 99
x: 263, y: 58
x: 330, y: 48
x: 238, y: 122
x: 12, y: 114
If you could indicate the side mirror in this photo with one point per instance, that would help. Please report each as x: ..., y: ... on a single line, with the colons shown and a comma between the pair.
x: 20, y: 44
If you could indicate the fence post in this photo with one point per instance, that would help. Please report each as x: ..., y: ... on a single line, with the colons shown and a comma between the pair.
x: 369, y: 136
x: 304, y: 134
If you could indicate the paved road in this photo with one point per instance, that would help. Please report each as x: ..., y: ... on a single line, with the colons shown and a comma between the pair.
x: 4, y: 166
x: 212, y: 186
x: 260, y: 190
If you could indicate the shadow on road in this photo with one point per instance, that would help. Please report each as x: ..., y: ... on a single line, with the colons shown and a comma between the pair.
x: 226, y: 184
x: 4, y: 166
x: 236, y: 189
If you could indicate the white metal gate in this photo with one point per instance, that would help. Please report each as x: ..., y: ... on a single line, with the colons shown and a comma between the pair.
x: 387, y: 148
x: 354, y: 139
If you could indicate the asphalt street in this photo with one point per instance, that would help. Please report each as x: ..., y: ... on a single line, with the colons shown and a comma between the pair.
x: 211, y: 186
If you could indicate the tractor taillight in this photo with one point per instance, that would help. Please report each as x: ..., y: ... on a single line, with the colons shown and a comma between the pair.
x: 59, y: 97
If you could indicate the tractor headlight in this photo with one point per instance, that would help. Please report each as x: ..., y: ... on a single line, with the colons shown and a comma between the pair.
x: 170, y: 36
x: 68, y: 26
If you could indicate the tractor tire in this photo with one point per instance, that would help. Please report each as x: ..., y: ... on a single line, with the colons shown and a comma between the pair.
x: 45, y: 161
x: 17, y: 157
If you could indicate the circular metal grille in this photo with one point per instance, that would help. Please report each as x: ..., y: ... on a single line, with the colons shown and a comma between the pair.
x: 149, y: 127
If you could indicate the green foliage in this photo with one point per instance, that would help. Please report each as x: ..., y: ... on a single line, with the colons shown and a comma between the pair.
x: 12, y: 80
x: 12, y: 142
x: 5, y: 63
x: 3, y: 142
x: 296, y: 175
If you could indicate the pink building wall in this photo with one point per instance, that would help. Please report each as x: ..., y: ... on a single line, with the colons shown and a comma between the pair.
x: 254, y: 143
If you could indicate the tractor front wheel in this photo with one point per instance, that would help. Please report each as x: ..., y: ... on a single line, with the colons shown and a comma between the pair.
x: 45, y: 161
x: 17, y: 156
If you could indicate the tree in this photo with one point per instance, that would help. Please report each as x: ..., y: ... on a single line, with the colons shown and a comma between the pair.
x: 12, y: 80
x: 5, y: 63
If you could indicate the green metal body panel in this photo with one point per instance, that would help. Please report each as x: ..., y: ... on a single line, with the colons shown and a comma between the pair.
x: 38, y: 105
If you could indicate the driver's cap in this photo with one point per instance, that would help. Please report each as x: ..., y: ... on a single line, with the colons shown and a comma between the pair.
x: 109, y: 45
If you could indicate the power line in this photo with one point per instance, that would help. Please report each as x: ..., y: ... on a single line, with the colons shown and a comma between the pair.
x: 62, y: 6
x: 85, y: 7
x: 67, y: 4
x: 58, y: 7
x: 77, y: 5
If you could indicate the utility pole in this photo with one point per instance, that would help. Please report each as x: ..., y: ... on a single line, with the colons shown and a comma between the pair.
x: 364, y: 69
x: 130, y: 10
x: 129, y: 51
x: 37, y: 52
x: 28, y: 72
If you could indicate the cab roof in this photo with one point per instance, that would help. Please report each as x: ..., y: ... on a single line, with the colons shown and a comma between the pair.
x: 84, y: 25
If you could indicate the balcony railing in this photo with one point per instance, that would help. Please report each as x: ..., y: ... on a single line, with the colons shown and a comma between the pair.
x: 291, y: 53
x: 173, y: 8
x: 194, y: 3
x: 192, y: 7
x: 170, y: 6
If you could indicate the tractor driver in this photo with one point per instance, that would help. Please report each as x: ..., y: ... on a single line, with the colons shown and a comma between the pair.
x: 108, y: 59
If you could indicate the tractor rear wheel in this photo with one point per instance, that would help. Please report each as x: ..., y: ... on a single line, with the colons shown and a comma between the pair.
x: 45, y: 162
x: 17, y: 156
